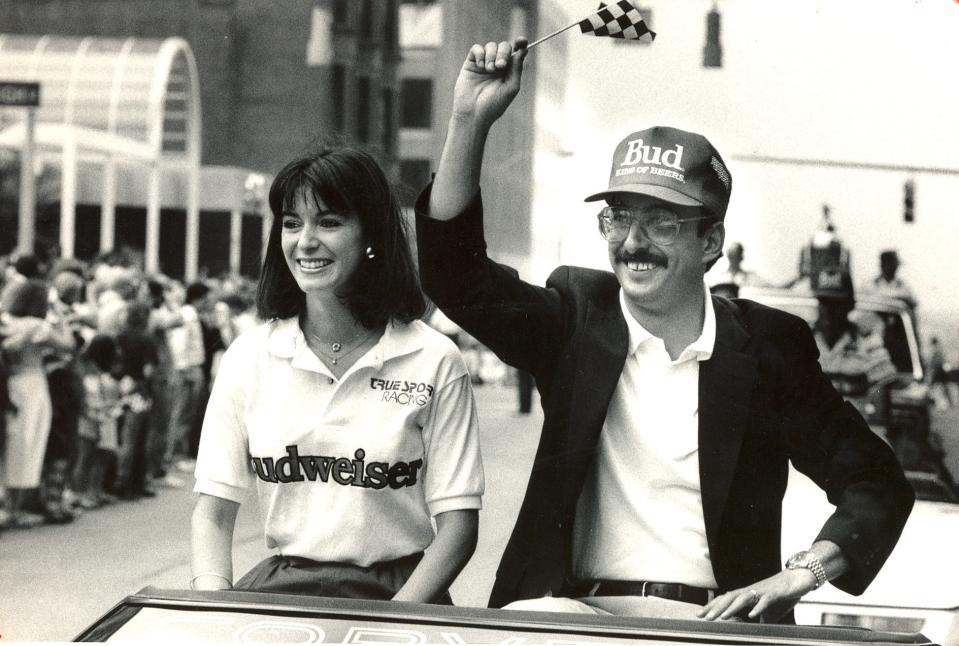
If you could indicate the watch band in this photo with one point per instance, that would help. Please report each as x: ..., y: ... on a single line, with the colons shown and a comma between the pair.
x: 809, y: 561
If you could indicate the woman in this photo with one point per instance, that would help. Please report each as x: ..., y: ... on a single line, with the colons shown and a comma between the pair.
x: 353, y: 419
x: 27, y: 337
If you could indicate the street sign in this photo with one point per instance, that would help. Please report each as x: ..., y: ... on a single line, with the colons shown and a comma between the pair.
x: 25, y: 95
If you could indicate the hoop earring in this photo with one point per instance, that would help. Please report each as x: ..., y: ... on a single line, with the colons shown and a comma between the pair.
x: 369, y: 253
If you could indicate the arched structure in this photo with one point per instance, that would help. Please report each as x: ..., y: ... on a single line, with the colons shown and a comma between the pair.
x: 112, y: 101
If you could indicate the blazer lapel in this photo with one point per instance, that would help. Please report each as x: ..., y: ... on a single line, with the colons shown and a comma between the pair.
x: 726, y: 383
x: 601, y: 356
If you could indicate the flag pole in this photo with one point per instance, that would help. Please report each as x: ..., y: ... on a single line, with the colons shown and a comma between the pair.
x: 555, y: 33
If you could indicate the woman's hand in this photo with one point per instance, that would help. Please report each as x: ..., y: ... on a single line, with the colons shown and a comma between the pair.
x: 452, y: 547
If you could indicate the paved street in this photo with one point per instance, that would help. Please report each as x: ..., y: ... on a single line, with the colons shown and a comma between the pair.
x: 54, y: 581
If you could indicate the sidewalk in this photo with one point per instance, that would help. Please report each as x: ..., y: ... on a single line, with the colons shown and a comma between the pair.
x: 56, y: 580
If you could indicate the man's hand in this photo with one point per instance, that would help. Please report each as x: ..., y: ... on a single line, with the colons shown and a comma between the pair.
x: 488, y: 81
x: 770, y: 598
x: 487, y: 84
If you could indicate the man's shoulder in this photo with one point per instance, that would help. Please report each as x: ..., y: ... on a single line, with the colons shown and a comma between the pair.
x: 763, y: 320
x: 583, y: 280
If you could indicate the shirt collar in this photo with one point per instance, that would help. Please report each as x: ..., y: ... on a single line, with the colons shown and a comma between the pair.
x: 699, y: 350
x: 287, y: 341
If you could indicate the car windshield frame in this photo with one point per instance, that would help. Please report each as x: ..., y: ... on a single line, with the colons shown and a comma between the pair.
x: 803, y: 304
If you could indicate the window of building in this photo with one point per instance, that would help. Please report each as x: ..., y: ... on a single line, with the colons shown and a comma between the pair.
x: 363, y: 109
x: 366, y: 19
x: 389, y: 127
x: 391, y: 29
x: 338, y: 92
x: 415, y: 174
x: 341, y: 13
x: 416, y: 103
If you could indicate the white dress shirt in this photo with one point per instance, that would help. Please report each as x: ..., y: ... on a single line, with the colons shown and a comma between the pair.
x: 640, y: 514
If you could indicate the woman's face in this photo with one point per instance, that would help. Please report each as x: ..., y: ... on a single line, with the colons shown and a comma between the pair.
x: 323, y: 248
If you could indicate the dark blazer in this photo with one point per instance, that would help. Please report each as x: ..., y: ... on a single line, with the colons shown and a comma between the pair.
x: 763, y: 402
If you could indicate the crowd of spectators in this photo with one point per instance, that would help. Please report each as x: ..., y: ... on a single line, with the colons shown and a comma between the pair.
x: 104, y: 374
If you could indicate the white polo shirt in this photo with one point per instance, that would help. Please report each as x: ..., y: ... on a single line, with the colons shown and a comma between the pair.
x: 640, y: 514
x: 346, y: 470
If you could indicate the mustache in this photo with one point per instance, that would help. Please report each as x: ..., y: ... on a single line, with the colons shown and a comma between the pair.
x: 643, y: 256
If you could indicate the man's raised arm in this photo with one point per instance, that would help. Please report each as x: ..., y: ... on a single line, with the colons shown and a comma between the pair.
x: 487, y: 83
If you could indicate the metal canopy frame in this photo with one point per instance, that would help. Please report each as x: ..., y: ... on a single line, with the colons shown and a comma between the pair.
x: 111, y: 101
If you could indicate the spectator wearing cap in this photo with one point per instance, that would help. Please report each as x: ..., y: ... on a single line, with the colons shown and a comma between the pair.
x: 671, y: 417
x: 887, y: 283
x: 852, y: 355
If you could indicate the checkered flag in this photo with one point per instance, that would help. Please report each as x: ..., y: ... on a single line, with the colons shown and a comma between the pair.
x: 619, y: 20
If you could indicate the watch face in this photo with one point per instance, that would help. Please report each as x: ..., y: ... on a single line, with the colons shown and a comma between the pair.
x: 796, y: 560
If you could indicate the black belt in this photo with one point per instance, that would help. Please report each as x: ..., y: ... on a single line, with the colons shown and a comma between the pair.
x: 674, y: 591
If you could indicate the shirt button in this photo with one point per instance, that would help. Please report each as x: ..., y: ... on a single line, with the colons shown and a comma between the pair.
x: 331, y: 382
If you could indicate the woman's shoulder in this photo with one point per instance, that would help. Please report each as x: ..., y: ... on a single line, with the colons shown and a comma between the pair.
x: 431, y: 347
x: 255, y: 340
x: 428, y: 338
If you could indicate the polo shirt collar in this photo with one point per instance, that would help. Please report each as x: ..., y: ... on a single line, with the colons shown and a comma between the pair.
x: 287, y: 341
x: 699, y: 350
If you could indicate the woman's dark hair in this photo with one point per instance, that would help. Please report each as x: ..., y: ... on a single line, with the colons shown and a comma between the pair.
x: 347, y: 180
x: 27, y: 266
x: 195, y: 291
x: 27, y: 298
x: 156, y: 290
x: 101, y: 351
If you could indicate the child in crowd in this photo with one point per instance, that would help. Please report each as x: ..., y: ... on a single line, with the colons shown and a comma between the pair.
x: 102, y: 409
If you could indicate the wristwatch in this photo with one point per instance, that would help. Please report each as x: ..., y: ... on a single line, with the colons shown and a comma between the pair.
x: 809, y: 561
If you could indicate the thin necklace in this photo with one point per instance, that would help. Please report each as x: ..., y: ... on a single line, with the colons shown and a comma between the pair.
x: 336, y: 347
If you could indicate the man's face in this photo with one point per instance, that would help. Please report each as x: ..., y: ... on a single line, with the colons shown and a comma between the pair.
x: 656, y: 276
x: 735, y: 254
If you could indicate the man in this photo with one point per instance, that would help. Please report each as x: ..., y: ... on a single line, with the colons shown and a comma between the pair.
x: 734, y: 276
x: 186, y: 380
x: 887, y: 283
x: 852, y: 354
x: 670, y: 417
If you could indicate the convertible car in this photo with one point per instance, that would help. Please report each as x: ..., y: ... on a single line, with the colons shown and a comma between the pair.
x: 193, y: 617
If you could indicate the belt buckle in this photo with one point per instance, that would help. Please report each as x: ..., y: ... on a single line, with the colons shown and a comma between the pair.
x: 642, y: 590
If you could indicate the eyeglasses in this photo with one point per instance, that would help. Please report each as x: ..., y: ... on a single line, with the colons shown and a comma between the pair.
x: 659, y: 226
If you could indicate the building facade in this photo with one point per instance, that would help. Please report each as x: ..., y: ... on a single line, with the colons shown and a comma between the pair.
x: 276, y: 77
x: 435, y: 37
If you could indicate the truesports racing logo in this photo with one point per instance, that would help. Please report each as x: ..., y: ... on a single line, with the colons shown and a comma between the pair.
x: 405, y: 393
